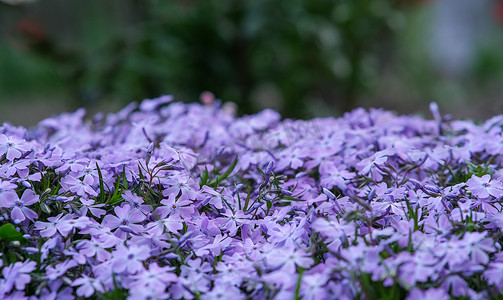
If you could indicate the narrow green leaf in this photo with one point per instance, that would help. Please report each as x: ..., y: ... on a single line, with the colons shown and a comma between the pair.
x: 102, y: 187
x: 140, y: 173
x: 204, y: 177
x: 124, y: 179
x: 299, y: 281
x: 222, y: 177
x: 290, y: 198
x: 247, y: 201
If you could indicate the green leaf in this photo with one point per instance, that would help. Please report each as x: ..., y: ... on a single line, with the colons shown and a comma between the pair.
x: 124, y: 179
x: 116, y: 193
x: 102, y: 187
x: 204, y: 177
x: 226, y: 174
x: 290, y: 198
x: 299, y: 281
x: 247, y: 201
x: 9, y: 233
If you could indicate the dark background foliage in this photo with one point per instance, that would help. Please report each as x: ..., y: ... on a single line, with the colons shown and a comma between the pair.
x: 304, y: 58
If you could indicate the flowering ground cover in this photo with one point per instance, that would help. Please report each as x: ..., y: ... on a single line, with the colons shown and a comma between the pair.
x: 185, y: 201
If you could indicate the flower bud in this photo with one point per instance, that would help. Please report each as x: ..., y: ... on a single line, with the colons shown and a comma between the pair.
x: 329, y: 194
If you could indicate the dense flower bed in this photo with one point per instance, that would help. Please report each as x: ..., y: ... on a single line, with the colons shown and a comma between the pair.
x: 182, y: 201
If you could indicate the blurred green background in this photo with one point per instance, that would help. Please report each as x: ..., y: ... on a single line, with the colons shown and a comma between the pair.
x: 304, y: 58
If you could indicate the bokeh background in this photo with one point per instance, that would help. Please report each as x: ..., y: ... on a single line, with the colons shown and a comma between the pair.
x: 304, y: 58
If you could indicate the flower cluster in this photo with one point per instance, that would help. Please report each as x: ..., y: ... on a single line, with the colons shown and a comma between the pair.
x: 165, y: 200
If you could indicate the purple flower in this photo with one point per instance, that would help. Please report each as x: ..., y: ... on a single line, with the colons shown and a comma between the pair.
x: 171, y: 206
x: 16, y: 275
x: 95, y: 247
x: 49, y: 229
x: 432, y: 293
x: 224, y: 291
x: 125, y: 220
x: 136, y: 202
x: 88, y: 205
x: 130, y: 259
x: 12, y: 147
x: 13, y: 167
x: 87, y: 286
x: 19, y: 209
x: 483, y: 187
x: 477, y: 246
x: 369, y: 165
x: 155, y: 277
x: 288, y: 258
x: 79, y: 187
x: 183, y: 188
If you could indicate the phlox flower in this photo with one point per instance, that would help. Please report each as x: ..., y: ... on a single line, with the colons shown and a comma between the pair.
x: 232, y: 221
x: 67, y: 226
x: 484, y: 187
x: 19, y: 209
x: 6, y: 186
x: 79, y: 187
x: 196, y: 268
x: 288, y: 258
x: 125, y: 220
x: 181, y: 187
x: 56, y: 271
x: 368, y: 165
x: 287, y: 234
x: 465, y: 211
x: 95, y: 247
x: 312, y: 287
x: 149, y: 292
x: 172, y: 223
x: 219, y: 243
x: 155, y: 277
x: 432, y: 293
x: 75, y: 165
x: 171, y: 206
x: 87, y: 286
x: 494, y: 274
x: 185, y: 156
x: 16, y: 275
x: 49, y: 229
x: 12, y: 147
x: 89, y: 206
x: 335, y: 176
x: 13, y: 167
x: 477, y: 245
x: 129, y: 259
x: 136, y: 202
x: 224, y: 290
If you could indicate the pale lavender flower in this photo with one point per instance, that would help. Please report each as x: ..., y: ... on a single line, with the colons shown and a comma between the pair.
x: 19, y: 209
x: 12, y: 147
x: 483, y: 187
x: 129, y: 259
x: 16, y: 275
